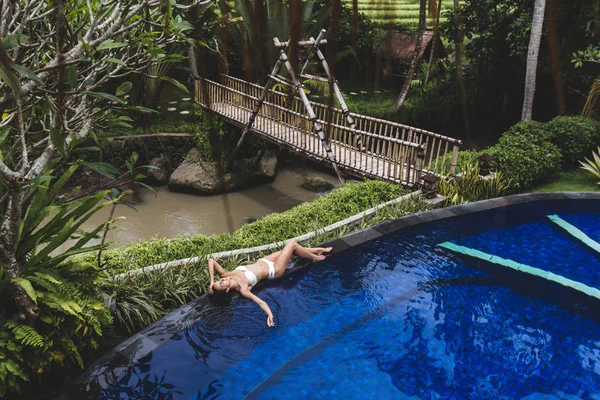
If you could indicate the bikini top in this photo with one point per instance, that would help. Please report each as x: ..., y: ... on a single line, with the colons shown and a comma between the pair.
x: 249, y: 275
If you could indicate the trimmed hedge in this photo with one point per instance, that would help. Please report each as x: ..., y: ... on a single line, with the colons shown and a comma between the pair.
x: 306, y: 217
x: 574, y: 136
x: 524, y: 156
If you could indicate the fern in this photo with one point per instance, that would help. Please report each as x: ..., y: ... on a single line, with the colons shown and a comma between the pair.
x: 25, y: 334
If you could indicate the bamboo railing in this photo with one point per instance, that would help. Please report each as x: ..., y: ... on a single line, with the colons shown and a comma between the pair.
x: 389, y: 150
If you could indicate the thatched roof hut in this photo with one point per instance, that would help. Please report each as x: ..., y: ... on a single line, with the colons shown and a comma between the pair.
x: 401, y: 46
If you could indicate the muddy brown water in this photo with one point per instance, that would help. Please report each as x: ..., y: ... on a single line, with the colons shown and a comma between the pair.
x: 168, y: 214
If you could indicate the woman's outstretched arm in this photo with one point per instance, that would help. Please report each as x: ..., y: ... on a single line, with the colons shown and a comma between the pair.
x: 263, y: 304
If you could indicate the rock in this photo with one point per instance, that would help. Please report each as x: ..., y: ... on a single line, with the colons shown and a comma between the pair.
x: 249, y: 220
x: 317, y: 185
x: 196, y: 175
x: 160, y: 174
x: 268, y: 164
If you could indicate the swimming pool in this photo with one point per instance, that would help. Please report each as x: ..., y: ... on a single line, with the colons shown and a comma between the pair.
x: 396, y: 317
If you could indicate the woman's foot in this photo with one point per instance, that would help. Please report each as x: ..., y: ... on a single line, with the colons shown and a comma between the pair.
x: 321, y: 250
x: 319, y: 256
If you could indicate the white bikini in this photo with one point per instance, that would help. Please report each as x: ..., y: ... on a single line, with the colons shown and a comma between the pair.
x: 252, y: 277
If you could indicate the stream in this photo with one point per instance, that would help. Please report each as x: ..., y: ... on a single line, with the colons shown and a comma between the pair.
x: 169, y: 214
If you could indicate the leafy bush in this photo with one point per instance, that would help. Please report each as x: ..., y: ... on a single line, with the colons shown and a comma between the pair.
x: 144, y: 298
x: 383, y: 109
x: 471, y: 186
x: 69, y: 315
x: 574, y: 136
x: 524, y: 156
x: 465, y: 159
x: 337, y: 205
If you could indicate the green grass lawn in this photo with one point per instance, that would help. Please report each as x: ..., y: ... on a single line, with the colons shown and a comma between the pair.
x: 576, y: 180
x: 395, y: 11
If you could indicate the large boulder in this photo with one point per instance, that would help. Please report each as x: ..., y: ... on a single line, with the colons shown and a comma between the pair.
x: 317, y: 185
x: 196, y: 175
x: 159, y: 175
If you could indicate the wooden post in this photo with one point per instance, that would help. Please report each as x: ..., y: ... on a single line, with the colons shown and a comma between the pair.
x: 336, y: 89
x: 454, y: 158
x: 311, y: 114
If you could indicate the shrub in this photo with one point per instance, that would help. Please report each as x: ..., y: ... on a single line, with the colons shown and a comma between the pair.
x: 70, y: 312
x: 524, y: 156
x: 144, y: 298
x: 335, y: 206
x: 471, y: 186
x: 574, y: 136
x: 463, y: 161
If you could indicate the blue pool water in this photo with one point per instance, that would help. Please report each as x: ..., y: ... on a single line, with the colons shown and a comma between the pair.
x: 398, y: 318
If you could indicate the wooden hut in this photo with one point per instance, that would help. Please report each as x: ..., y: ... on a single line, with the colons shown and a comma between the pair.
x: 400, y: 46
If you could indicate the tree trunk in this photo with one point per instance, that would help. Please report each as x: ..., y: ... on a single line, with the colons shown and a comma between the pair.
x: 415, y: 59
x: 459, y: 73
x: 436, y: 23
x: 553, y: 51
x: 537, y: 24
x: 28, y: 311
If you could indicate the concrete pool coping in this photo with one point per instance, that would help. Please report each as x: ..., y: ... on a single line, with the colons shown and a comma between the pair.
x: 143, y: 343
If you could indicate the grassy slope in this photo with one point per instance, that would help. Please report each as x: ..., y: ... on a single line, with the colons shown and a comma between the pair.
x: 395, y: 11
x: 576, y: 180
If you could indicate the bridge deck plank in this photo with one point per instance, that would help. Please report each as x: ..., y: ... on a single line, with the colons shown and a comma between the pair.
x: 348, y: 157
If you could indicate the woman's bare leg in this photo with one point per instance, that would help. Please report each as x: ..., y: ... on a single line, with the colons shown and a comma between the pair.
x: 282, y: 257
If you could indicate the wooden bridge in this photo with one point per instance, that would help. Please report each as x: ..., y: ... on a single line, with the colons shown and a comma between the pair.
x: 392, y: 151
x: 360, y: 145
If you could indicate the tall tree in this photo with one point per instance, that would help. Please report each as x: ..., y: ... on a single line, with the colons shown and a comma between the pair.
x: 459, y: 72
x: 554, y: 53
x: 434, y: 11
x: 415, y: 59
x: 535, y: 38
x: 54, y: 66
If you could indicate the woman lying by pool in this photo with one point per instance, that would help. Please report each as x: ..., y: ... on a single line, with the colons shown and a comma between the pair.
x: 244, y: 278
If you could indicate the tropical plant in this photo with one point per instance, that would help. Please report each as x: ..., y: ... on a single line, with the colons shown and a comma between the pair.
x: 590, y: 55
x: 592, y: 166
x: 470, y: 186
x: 69, y: 316
x: 52, y: 94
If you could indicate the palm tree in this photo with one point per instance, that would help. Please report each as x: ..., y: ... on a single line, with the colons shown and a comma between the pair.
x: 415, y: 59
x: 459, y: 71
x: 434, y: 12
x: 537, y: 24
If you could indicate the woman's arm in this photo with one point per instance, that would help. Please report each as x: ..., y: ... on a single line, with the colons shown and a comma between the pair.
x: 265, y: 307
x: 212, y: 266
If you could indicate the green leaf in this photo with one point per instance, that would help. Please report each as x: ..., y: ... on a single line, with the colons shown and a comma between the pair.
x: 72, y: 76
x: 124, y: 88
x: 3, y: 135
x: 26, y: 285
x: 102, y: 168
x: 14, y: 40
x: 141, y: 109
x: 57, y: 140
x: 176, y: 83
x: 105, y: 96
x: 114, y: 60
x: 11, y: 79
x: 110, y: 44
x: 88, y: 148
x: 26, y: 72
